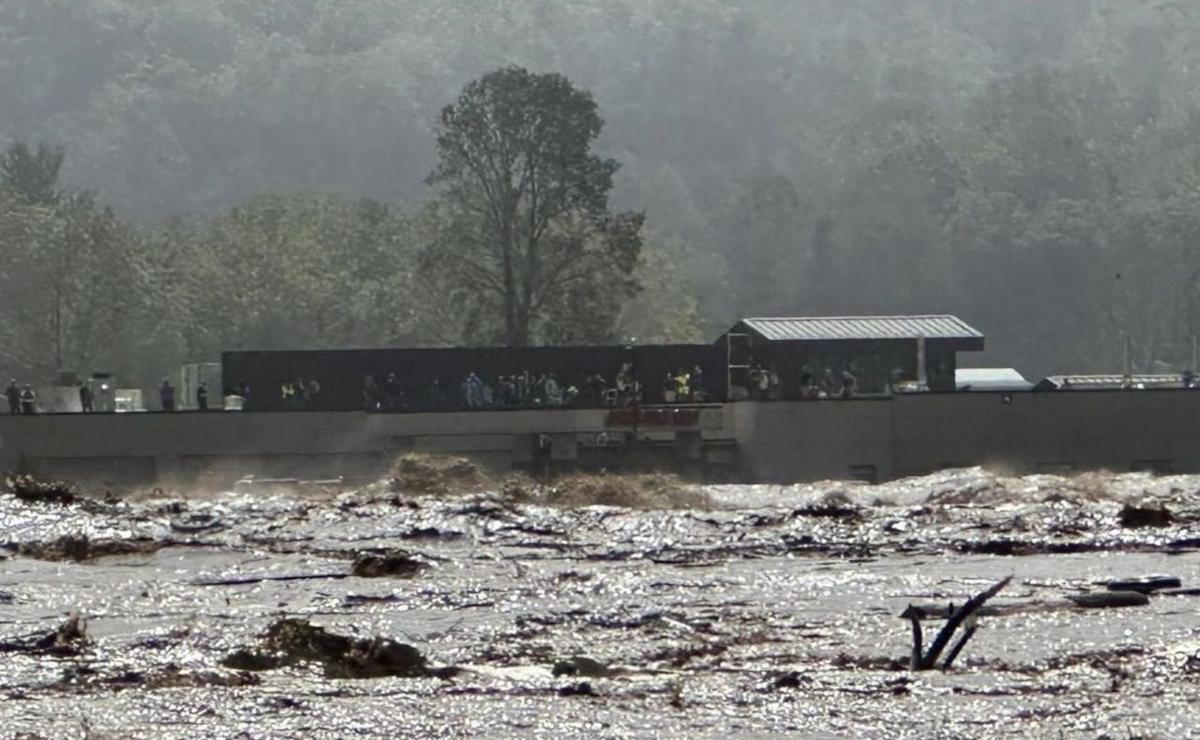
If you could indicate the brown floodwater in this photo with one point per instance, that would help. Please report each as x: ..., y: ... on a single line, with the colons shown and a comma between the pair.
x: 772, y: 611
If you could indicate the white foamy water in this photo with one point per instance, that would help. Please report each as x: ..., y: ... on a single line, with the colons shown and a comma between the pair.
x: 699, y: 617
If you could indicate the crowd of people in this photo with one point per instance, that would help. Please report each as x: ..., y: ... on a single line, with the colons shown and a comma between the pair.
x: 829, y: 385
x: 298, y: 393
x: 530, y: 390
x: 21, y: 399
x: 684, y: 386
x: 766, y: 384
x: 519, y: 390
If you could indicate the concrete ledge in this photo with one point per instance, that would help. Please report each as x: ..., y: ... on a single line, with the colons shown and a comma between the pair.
x: 871, y: 439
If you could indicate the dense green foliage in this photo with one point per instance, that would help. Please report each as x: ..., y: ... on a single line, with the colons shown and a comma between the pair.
x: 1032, y: 166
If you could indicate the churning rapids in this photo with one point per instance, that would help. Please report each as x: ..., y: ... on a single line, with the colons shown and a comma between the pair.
x: 682, y: 612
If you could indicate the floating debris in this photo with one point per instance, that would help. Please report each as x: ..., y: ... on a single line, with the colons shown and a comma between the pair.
x: 1110, y: 600
x: 582, y: 688
x: 396, y: 564
x: 81, y: 548
x: 1136, y: 517
x: 196, y: 522
x: 581, y: 665
x: 288, y: 642
x: 68, y: 639
x: 29, y: 489
x: 1146, y: 585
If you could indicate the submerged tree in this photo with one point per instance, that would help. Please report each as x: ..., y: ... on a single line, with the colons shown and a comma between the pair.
x: 526, y: 233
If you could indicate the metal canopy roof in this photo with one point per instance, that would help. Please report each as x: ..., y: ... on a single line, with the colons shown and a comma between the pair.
x: 1108, y: 382
x: 990, y: 379
x: 820, y: 328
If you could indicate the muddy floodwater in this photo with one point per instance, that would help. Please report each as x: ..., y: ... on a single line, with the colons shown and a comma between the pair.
x: 750, y: 611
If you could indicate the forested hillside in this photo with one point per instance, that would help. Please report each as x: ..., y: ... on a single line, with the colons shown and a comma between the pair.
x: 254, y: 173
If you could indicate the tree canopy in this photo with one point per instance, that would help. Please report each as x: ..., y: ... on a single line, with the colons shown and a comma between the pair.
x: 528, y: 235
x: 1003, y: 161
x: 32, y: 174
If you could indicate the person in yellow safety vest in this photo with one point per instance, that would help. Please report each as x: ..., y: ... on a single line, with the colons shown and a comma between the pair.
x: 682, y: 391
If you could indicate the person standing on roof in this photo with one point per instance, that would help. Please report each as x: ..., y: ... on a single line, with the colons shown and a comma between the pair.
x: 849, y: 383
x: 683, y: 391
x: 13, y: 393
x: 827, y: 384
x: 166, y: 394
x: 668, y: 388
x: 28, y: 400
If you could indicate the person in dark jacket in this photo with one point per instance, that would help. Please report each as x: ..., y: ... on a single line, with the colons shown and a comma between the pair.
x: 202, y: 396
x: 166, y: 394
x: 699, y: 393
x: 14, y: 397
x: 849, y: 383
x: 28, y: 400
x: 85, y: 398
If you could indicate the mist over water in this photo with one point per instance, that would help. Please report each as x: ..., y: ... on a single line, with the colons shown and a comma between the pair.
x: 770, y: 610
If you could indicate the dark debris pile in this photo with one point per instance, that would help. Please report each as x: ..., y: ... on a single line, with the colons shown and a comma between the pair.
x: 288, y: 642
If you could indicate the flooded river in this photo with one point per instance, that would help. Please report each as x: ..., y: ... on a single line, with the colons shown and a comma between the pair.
x: 751, y: 611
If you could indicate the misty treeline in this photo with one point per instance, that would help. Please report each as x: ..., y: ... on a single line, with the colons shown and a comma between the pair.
x: 1031, y: 166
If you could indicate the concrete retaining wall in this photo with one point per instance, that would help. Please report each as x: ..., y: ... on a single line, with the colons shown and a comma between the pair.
x: 870, y: 439
x: 1021, y: 432
x: 124, y: 449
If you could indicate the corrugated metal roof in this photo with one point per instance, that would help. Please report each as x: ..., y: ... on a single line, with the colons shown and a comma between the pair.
x: 990, y: 379
x: 1099, y: 382
x: 862, y: 327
